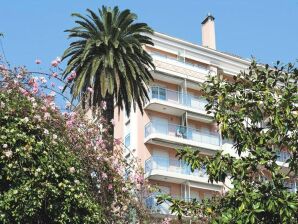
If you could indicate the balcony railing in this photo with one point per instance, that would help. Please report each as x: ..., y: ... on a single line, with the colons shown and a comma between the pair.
x: 171, y: 165
x: 163, y: 208
x: 176, y: 97
x: 151, y: 204
x: 182, y: 132
x: 181, y: 61
x: 292, y: 186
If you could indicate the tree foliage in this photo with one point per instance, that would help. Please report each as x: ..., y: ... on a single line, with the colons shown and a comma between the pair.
x: 57, y: 167
x: 258, y: 112
x: 41, y: 181
x: 109, y: 59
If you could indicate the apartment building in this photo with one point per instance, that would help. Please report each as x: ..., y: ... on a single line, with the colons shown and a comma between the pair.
x: 175, y: 116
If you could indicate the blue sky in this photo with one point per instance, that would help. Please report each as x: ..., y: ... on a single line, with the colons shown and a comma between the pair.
x: 266, y: 29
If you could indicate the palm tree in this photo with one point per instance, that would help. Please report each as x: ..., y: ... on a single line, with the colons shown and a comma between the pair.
x: 110, y: 62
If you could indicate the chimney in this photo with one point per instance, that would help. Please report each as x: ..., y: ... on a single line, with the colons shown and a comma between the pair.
x: 208, y: 32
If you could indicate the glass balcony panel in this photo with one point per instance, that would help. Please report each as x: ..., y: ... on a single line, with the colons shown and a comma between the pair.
x: 172, y: 165
x: 283, y: 156
x: 179, y: 131
x: 292, y: 186
x: 188, y: 100
x: 151, y: 204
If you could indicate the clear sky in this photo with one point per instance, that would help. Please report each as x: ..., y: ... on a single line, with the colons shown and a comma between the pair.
x: 266, y: 29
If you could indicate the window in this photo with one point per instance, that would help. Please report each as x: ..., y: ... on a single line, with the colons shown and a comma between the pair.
x: 158, y: 93
x: 127, y: 141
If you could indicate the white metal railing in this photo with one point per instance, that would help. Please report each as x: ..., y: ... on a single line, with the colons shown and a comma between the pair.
x: 171, y: 165
x: 177, y: 97
x: 184, y: 132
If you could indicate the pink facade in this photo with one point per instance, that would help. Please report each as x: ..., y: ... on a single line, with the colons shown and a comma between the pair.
x: 175, y: 117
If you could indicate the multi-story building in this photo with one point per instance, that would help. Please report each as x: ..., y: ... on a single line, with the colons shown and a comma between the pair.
x: 175, y: 115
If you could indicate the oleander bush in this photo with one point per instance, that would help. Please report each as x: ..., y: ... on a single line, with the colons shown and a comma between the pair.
x: 57, y: 167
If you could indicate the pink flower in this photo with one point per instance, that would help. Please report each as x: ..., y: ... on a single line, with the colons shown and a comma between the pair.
x: 53, y: 84
x: 60, y: 87
x: 69, y: 78
x: 90, y: 90
x: 35, y: 90
x: 124, y: 189
x: 2, y: 67
x: 73, y: 74
x: 69, y: 123
x: 110, y: 187
x: 23, y: 91
x: 103, y: 104
x: 37, y: 61
x: 118, y: 141
x: 54, y: 74
x: 43, y: 80
x: 54, y: 63
x: 139, y: 179
x: 166, y: 221
x: 104, y: 176
x: 47, y: 115
x: 52, y: 93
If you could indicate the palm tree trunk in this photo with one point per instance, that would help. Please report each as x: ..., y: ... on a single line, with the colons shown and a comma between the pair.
x: 108, y: 114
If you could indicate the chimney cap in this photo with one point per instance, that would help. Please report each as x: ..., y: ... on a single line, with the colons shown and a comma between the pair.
x: 209, y: 16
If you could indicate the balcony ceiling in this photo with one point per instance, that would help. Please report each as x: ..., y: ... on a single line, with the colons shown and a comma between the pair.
x: 174, y: 80
x: 194, y: 181
x: 178, y: 110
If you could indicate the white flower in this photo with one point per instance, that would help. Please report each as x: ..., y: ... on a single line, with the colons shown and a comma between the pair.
x: 4, y: 146
x: 265, y: 130
x: 8, y: 153
x: 26, y: 119
x: 52, y: 93
x: 55, y: 136
x: 72, y: 169
x: 46, y: 131
x: 37, y: 117
x: 32, y: 99
x: 68, y: 104
x: 2, y: 105
x: 58, y: 59
x: 43, y: 79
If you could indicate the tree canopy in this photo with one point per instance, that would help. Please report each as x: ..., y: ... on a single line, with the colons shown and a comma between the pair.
x: 109, y: 60
x: 258, y: 112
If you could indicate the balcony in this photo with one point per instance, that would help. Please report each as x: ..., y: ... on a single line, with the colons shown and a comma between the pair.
x: 151, y: 204
x: 176, y: 103
x: 177, y: 171
x: 292, y: 186
x: 158, y: 132
x: 180, y: 67
x: 163, y: 208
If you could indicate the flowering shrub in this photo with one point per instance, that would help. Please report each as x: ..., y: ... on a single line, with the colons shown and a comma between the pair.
x: 57, y: 167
